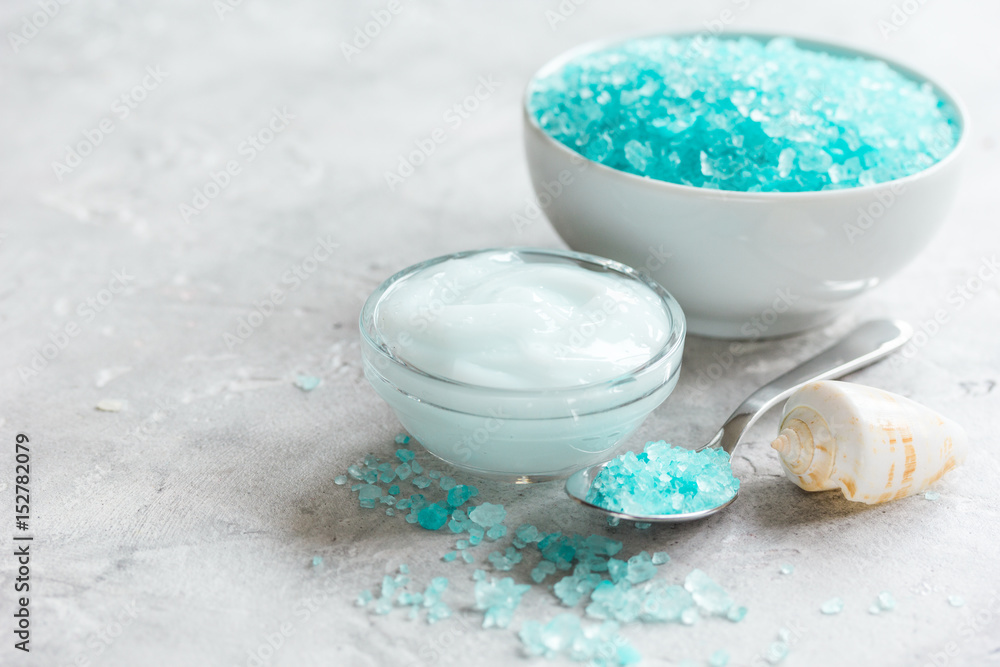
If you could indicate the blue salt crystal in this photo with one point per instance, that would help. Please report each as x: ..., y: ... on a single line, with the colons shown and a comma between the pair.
x: 488, y: 514
x: 736, y: 614
x: 564, y: 636
x: 665, y: 480
x: 660, y: 557
x: 416, y: 467
x: 390, y: 511
x: 478, y: 575
x: 404, y: 470
x: 368, y: 495
x: 317, y: 561
x: 404, y: 504
x: 364, y: 597
x: 411, y: 517
x: 496, y: 532
x: 613, y: 521
x: 404, y: 568
x: 450, y: 556
x: 447, y: 483
x: 437, y: 612
x: 433, y: 517
x: 307, y: 382
x: 386, y: 477
x: 832, y: 606
x: 776, y: 652
x: 405, y: 455
x: 886, y: 602
x: 787, y: 569
x: 744, y: 114
x: 505, y: 561
x: 476, y: 534
x: 387, y: 500
x: 467, y: 556
x: 526, y: 533
x: 402, y: 439
x: 542, y: 570
x: 340, y: 480
x: 462, y: 544
x: 434, y: 474
x: 371, y: 460
x: 708, y: 595
x: 421, y: 482
x: 357, y: 487
x: 371, y: 476
x: 498, y: 599
x: 642, y: 525
x: 931, y: 495
x: 355, y: 472
x: 459, y: 495
x: 956, y: 600
x: 640, y: 568
x: 617, y: 569
x: 417, y: 501
x: 394, y: 490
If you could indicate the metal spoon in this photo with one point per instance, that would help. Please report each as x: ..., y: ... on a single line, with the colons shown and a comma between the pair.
x: 865, y: 345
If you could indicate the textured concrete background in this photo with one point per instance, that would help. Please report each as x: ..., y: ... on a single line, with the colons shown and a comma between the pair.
x: 180, y: 530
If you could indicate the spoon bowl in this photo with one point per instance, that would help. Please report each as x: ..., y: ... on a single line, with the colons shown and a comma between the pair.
x: 865, y: 345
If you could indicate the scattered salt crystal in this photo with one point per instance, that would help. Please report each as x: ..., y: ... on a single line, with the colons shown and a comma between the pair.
x: 340, y: 480
x: 885, y: 601
x: 719, y: 659
x: 498, y: 599
x: 110, y: 405
x: 931, y: 495
x: 307, y: 382
x: 787, y: 568
x: 956, y: 601
x: 660, y: 557
x: 832, y: 606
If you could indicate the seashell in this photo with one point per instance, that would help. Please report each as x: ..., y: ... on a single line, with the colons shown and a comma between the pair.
x: 871, y: 444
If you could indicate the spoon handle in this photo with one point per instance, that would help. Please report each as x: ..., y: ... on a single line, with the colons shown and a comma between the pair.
x: 865, y: 345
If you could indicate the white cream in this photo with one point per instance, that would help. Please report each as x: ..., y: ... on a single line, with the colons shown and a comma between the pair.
x: 496, y: 320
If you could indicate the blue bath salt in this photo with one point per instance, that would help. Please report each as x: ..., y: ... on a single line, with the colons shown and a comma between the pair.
x: 565, y: 636
x: 744, y: 114
x: 307, y: 382
x: 664, y: 479
x: 433, y: 517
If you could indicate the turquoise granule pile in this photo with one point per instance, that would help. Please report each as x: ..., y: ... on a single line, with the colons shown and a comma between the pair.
x: 664, y: 479
x: 744, y: 114
x: 580, y: 571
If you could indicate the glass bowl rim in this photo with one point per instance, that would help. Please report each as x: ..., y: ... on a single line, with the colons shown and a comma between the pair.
x: 672, y: 347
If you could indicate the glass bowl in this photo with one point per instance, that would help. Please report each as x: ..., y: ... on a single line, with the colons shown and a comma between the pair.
x: 521, y: 435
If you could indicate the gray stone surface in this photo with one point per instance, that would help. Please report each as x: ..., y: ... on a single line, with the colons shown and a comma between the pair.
x: 180, y: 530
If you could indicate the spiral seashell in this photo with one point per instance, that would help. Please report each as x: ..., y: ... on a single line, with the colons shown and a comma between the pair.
x: 871, y: 444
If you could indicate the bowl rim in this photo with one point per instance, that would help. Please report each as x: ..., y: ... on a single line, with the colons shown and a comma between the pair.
x: 672, y: 348
x: 837, y: 48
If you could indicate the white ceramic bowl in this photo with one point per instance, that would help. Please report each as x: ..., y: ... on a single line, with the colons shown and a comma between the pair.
x: 744, y: 264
